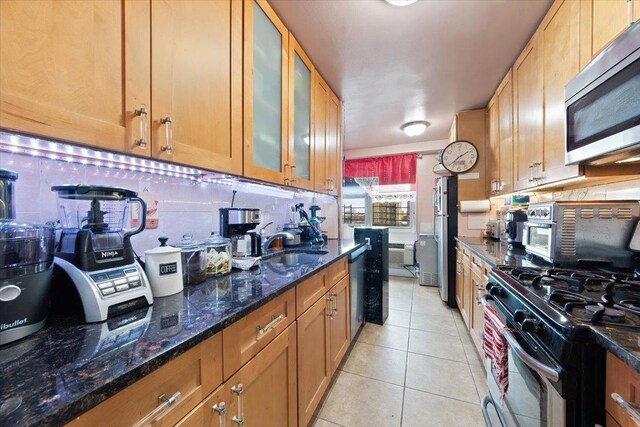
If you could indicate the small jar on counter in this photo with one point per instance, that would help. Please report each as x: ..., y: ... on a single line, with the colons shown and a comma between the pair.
x: 218, y: 254
x: 194, y: 260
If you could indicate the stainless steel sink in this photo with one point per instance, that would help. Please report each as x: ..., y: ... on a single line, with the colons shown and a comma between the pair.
x: 296, y: 258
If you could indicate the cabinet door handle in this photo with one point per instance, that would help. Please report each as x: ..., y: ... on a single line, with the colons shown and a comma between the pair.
x: 292, y: 174
x: 334, y: 296
x: 165, y: 403
x: 143, y: 113
x: 536, y: 171
x: 630, y: 12
x: 168, y: 123
x: 271, y: 325
x: 221, y: 410
x: 632, y: 409
x: 238, y: 419
x: 330, y: 305
x: 531, y: 173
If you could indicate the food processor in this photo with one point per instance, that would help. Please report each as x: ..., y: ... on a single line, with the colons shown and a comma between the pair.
x: 95, y: 253
x: 26, y: 265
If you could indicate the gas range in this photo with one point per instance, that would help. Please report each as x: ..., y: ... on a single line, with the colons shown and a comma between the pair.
x: 580, y: 296
x: 549, y: 314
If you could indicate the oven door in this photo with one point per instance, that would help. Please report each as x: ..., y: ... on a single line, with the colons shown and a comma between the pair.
x: 539, y: 239
x: 531, y: 399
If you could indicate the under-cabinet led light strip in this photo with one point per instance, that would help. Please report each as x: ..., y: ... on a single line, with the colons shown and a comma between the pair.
x: 27, y: 145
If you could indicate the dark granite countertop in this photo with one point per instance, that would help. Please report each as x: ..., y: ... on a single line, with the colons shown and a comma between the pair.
x: 623, y: 343
x: 496, y: 252
x: 69, y: 366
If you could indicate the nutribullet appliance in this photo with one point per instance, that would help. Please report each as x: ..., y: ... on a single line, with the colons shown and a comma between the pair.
x: 95, y: 253
x: 26, y: 265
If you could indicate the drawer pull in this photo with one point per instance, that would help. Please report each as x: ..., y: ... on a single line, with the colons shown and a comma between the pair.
x: 165, y: 403
x: 632, y: 409
x: 238, y: 419
x: 269, y: 326
x: 221, y: 410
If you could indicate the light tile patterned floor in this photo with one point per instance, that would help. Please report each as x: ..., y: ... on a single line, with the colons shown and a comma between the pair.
x: 419, y: 369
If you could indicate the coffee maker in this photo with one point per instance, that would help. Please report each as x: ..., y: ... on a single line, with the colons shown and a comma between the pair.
x: 235, y: 224
x: 95, y: 253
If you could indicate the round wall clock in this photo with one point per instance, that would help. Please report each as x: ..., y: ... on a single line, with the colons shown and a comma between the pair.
x: 459, y: 156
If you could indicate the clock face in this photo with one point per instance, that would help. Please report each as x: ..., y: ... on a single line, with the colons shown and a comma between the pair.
x: 459, y: 156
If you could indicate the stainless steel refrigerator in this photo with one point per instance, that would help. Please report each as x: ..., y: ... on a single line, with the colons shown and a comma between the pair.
x: 445, y: 225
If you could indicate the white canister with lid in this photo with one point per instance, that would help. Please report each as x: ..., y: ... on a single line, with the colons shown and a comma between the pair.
x: 163, y: 266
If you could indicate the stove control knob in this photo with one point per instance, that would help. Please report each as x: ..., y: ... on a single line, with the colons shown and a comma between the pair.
x: 530, y: 325
x: 495, y: 290
x: 520, y: 315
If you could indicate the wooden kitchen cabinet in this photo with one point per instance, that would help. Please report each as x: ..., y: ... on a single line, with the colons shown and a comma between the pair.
x: 196, y: 113
x: 333, y: 150
x: 493, y: 147
x: 262, y: 393
x: 470, y: 126
x: 340, y: 323
x: 327, y: 142
x: 243, y: 339
x: 321, y: 99
x: 314, y: 367
x: 266, y: 83
x: 560, y: 46
x: 500, y: 139
x: 528, y: 114
x: 625, y: 381
x: 300, y: 153
x: 465, y: 310
x: 505, y: 130
x: 76, y: 71
x: 601, y: 22
x: 459, y: 277
x: 194, y: 374
x: 479, y: 280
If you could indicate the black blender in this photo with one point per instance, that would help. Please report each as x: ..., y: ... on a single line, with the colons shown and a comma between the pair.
x: 95, y: 253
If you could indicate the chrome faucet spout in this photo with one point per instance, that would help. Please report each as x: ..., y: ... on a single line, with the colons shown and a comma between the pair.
x: 284, y: 234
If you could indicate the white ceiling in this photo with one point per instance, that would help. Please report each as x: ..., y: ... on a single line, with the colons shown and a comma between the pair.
x: 425, y: 61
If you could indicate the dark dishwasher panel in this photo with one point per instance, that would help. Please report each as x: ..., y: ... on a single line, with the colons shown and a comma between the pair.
x: 376, y: 272
x: 356, y: 275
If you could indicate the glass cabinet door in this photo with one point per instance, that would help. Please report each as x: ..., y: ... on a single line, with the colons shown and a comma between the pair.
x: 266, y: 43
x: 300, y: 157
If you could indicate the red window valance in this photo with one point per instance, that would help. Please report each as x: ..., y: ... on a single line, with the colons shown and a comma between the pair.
x: 399, y: 169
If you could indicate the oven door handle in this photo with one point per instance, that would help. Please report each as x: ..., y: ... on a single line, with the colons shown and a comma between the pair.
x: 485, y: 411
x: 542, y: 369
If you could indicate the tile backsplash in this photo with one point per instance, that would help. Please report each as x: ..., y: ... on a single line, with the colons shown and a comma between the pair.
x: 185, y: 206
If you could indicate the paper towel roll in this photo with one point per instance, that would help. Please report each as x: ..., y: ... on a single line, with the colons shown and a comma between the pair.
x: 475, y: 206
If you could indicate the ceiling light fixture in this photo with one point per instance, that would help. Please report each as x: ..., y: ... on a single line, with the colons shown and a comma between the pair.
x: 400, y: 2
x: 414, y: 128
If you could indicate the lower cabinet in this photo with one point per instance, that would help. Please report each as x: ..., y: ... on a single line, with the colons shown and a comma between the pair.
x: 339, y: 323
x: 472, y: 276
x: 276, y: 368
x: 324, y: 338
x: 624, y: 381
x: 163, y: 397
x: 262, y: 393
x: 314, y: 369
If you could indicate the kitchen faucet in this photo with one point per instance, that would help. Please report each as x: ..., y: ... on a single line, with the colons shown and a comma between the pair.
x: 284, y: 234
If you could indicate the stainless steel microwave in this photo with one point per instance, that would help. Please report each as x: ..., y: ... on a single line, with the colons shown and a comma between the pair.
x: 602, y: 105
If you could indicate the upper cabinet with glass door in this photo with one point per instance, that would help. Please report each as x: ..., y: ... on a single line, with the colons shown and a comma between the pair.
x: 300, y: 150
x: 265, y: 93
